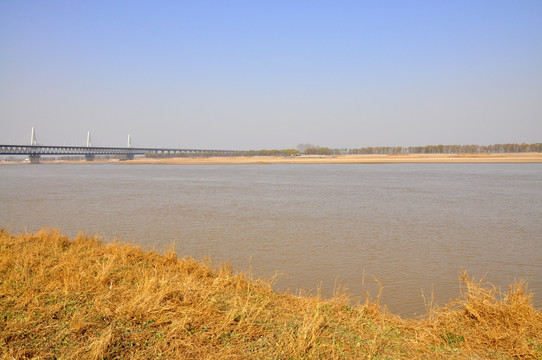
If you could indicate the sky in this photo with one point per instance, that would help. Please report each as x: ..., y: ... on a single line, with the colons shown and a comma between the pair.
x: 246, y: 75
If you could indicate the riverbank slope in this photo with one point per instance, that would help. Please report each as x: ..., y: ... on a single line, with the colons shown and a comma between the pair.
x: 81, y: 298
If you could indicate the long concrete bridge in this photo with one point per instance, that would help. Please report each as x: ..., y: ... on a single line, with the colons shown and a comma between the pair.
x: 35, y: 151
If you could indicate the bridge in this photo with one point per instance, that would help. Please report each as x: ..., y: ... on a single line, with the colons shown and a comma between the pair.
x: 35, y: 151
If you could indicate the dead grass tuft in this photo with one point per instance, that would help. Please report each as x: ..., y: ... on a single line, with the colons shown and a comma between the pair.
x: 81, y: 298
x: 487, y: 317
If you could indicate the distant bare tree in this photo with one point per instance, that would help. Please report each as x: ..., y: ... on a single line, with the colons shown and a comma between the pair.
x: 303, y: 147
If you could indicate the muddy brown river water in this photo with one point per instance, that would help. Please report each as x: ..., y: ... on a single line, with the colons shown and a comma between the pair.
x: 411, y: 226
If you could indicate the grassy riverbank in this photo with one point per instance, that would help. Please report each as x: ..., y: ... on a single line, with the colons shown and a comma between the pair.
x: 80, y: 298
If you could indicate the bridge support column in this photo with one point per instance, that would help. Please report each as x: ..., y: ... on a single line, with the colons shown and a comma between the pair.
x: 129, y: 156
x: 34, y: 158
x: 89, y: 157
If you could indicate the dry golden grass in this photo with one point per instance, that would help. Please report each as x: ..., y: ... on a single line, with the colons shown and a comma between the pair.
x: 82, y: 299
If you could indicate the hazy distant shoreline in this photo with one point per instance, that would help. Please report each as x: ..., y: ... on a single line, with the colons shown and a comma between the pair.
x: 313, y: 159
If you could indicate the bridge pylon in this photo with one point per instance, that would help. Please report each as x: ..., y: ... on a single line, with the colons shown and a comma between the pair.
x: 130, y: 155
x: 33, y: 141
x: 89, y: 156
x: 34, y: 157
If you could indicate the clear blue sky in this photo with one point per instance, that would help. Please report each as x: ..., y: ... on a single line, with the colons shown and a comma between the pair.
x: 271, y: 74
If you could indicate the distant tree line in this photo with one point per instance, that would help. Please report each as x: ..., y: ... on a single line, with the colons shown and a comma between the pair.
x: 308, y: 149
x: 166, y: 155
x: 450, y: 149
x: 321, y: 151
x: 283, y: 152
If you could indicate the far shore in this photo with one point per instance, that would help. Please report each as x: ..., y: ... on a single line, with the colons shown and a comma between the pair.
x: 313, y: 159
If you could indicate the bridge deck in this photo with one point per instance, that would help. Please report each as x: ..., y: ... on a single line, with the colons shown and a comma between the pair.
x: 95, y: 150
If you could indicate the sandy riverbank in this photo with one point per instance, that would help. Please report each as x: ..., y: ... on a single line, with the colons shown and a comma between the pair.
x: 339, y: 159
x: 353, y: 159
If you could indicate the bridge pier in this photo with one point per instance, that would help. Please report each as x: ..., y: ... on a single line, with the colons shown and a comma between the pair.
x: 130, y: 156
x: 34, y: 158
x: 89, y: 157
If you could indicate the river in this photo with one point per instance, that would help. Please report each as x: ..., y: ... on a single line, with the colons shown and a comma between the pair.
x: 412, y: 227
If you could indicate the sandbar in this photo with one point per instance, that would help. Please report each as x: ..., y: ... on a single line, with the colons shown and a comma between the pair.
x: 332, y: 159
